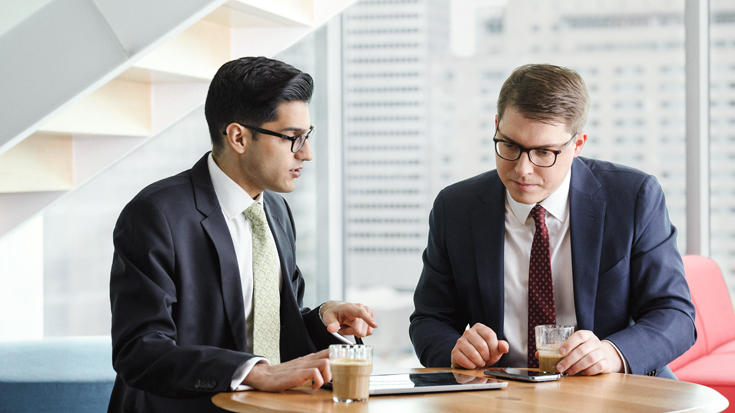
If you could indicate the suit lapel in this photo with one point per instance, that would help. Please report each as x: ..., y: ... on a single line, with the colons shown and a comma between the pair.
x: 216, y: 228
x: 587, y: 216
x: 488, y: 234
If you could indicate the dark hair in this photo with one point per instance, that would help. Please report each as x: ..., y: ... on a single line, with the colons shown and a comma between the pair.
x: 546, y: 93
x: 248, y: 91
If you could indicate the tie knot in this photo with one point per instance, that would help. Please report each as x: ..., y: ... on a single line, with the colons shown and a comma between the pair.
x: 539, y: 214
x: 255, y: 213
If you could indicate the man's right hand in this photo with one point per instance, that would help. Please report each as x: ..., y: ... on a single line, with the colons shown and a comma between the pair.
x: 478, y: 347
x: 311, y: 368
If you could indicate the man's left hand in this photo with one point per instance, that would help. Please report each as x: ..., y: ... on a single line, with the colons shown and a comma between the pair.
x: 586, y: 355
x: 348, y: 319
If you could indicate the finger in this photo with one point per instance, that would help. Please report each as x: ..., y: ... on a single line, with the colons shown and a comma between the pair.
x: 496, y: 347
x: 597, y: 368
x: 582, y: 357
x: 360, y: 311
x: 459, y: 359
x: 360, y: 327
x: 333, y: 327
x: 575, y: 340
x: 316, y: 378
x: 345, y: 314
x: 326, y: 370
x: 501, y: 348
x: 475, y: 344
x: 471, y: 351
x: 329, y: 317
x: 357, y: 328
x: 588, y: 365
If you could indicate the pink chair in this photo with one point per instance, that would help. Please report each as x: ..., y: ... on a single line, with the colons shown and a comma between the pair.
x: 711, y: 361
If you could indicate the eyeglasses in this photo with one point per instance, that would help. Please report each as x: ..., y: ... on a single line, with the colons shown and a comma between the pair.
x: 542, y: 157
x: 297, y: 142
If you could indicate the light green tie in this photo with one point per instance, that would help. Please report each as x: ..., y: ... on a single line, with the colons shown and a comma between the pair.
x: 266, y: 300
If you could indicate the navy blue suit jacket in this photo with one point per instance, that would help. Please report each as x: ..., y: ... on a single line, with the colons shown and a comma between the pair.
x: 178, y: 320
x: 628, y: 276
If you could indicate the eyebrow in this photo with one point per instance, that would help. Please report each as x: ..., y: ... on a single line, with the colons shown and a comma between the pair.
x: 509, y: 140
x: 295, y: 129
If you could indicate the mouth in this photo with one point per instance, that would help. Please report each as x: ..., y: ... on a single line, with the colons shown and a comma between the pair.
x: 295, y: 172
x: 523, y: 186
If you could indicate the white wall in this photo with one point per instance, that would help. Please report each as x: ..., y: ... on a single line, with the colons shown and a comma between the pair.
x: 21, y: 282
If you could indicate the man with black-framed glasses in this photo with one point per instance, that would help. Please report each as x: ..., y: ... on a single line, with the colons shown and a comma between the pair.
x: 205, y: 292
x: 551, y: 238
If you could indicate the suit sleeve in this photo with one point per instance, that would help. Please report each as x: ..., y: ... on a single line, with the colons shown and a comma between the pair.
x: 143, y: 298
x: 439, y: 317
x: 660, y: 306
x: 317, y: 330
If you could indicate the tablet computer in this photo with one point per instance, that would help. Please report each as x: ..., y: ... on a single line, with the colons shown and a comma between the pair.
x: 434, y: 382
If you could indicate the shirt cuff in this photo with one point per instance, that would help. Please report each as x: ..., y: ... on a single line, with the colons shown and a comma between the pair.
x: 243, y: 371
x: 626, y: 368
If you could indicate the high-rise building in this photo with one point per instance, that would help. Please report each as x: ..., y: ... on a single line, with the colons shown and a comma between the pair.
x: 387, y: 45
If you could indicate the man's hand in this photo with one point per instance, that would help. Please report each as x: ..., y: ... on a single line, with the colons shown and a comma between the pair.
x: 478, y: 347
x: 348, y: 319
x: 297, y: 372
x: 587, y: 355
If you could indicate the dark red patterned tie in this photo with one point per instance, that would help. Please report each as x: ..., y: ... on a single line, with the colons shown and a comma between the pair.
x: 541, y: 306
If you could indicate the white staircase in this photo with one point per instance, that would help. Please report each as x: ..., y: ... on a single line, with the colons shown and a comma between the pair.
x: 83, y: 82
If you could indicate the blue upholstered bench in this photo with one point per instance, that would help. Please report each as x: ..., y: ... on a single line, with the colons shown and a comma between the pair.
x: 56, y: 375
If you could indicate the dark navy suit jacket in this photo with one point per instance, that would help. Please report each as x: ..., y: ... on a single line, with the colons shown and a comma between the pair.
x: 178, y: 320
x: 628, y: 275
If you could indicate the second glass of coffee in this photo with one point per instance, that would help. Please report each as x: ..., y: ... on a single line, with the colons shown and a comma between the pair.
x: 548, y: 340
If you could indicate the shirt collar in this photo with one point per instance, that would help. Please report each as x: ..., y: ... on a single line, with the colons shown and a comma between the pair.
x: 557, y: 204
x: 232, y: 198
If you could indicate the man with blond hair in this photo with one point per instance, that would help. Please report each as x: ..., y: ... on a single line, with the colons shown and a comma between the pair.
x: 550, y: 237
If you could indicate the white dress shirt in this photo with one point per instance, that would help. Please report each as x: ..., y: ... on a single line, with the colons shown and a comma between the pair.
x: 234, y: 201
x: 519, y: 231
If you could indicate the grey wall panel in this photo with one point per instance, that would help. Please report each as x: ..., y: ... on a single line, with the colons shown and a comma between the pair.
x: 48, y: 60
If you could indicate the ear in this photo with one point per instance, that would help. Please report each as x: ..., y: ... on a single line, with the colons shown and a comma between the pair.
x: 579, y: 142
x: 496, y: 121
x: 237, y: 138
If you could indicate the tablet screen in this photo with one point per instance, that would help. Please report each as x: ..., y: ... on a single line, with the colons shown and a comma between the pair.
x: 429, y: 382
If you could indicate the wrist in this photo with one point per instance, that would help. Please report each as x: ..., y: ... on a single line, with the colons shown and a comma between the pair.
x: 614, y: 357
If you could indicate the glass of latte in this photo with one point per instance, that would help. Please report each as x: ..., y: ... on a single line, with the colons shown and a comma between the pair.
x: 548, y: 340
x: 351, y: 367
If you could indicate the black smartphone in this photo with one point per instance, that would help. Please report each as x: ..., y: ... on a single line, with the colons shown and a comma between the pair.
x: 523, y: 375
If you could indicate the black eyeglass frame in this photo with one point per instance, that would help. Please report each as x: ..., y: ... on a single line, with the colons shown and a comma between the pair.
x: 293, y: 139
x: 528, y: 150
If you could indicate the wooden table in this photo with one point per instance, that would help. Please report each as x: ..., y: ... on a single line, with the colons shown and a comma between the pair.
x: 603, y: 393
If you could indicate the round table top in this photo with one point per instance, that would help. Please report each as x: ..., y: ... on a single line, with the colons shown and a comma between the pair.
x: 603, y: 393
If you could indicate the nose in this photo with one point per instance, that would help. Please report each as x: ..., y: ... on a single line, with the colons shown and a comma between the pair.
x: 305, y: 153
x: 524, y: 166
